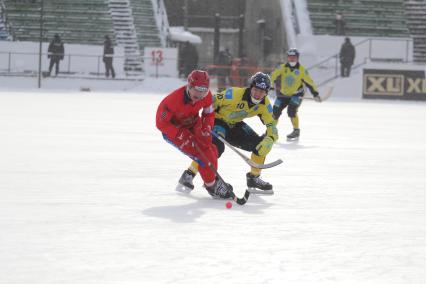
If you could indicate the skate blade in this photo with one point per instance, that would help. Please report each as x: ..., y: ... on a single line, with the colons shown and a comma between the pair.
x: 293, y: 139
x: 217, y: 197
x: 183, y: 189
x: 260, y: 191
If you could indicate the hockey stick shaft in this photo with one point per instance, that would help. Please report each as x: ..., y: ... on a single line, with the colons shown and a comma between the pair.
x: 324, y: 97
x: 240, y: 201
x: 245, y: 158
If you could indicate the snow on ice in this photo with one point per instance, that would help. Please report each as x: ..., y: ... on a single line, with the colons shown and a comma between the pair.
x: 87, y: 194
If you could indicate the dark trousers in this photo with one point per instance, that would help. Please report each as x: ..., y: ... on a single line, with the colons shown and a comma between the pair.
x: 54, y: 61
x: 109, y: 68
x: 240, y: 135
x: 345, y: 70
x: 291, y: 103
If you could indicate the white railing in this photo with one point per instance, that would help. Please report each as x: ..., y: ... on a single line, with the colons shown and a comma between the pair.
x: 295, y: 19
x: 367, y: 50
x: 160, y: 15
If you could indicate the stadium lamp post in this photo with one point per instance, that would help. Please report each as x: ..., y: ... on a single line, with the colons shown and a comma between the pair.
x: 185, y: 15
x: 240, y: 35
x: 216, y: 37
x: 41, y: 43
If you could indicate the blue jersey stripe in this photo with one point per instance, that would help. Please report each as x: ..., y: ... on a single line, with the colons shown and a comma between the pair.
x: 198, y: 160
x: 220, y: 130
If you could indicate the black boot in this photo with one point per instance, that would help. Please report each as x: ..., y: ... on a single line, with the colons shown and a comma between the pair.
x: 295, y: 134
x: 256, y: 185
x: 220, y: 189
x: 185, y: 182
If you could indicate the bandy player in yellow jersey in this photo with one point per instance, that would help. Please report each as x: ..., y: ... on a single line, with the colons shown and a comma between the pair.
x: 290, y: 79
x: 232, y: 106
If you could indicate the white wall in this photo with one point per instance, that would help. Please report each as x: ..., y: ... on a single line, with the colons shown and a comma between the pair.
x: 316, y: 48
x: 81, y: 59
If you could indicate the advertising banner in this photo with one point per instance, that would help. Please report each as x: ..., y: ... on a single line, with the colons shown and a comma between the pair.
x: 394, y: 84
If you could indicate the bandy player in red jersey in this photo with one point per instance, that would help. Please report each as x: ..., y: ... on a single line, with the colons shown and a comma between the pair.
x: 182, y: 126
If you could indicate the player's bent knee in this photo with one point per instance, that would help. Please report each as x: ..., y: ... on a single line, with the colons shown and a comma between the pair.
x: 276, y: 113
x: 292, y: 111
x: 220, y: 149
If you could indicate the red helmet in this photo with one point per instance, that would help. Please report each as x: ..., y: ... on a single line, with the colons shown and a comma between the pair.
x: 200, y: 79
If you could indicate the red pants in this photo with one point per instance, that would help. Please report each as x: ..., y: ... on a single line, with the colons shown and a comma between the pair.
x: 209, y: 154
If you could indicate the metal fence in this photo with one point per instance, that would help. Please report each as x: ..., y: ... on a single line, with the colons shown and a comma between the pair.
x: 27, y: 62
x: 371, y: 49
x: 82, y: 65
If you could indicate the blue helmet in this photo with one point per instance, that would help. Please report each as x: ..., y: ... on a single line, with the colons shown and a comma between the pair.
x: 261, y: 81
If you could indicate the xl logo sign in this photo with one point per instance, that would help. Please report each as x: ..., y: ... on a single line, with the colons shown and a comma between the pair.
x: 384, y: 84
x: 394, y: 84
x: 416, y: 85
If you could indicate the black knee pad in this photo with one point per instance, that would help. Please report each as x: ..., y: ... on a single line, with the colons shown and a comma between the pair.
x: 219, y: 145
x: 292, y: 111
x: 276, y: 112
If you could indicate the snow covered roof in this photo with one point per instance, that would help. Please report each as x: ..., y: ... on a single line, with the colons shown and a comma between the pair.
x: 179, y: 34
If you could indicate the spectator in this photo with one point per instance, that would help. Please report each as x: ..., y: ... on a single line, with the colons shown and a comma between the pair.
x: 347, y: 56
x: 55, y: 53
x: 188, y: 58
x: 108, y: 56
x: 224, y: 61
x: 340, y: 23
x: 244, y: 70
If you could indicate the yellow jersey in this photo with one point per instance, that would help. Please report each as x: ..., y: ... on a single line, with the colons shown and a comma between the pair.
x: 234, y: 105
x: 289, y: 80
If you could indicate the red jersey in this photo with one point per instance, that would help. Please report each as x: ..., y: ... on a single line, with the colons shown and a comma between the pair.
x: 177, y: 110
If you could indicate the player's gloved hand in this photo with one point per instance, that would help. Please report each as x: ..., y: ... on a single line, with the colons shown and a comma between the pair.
x: 206, y: 132
x: 203, y: 134
x: 265, y: 146
x: 317, y: 98
x: 185, y: 138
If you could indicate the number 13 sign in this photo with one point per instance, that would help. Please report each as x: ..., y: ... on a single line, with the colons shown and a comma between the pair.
x: 157, y: 57
x: 161, y: 62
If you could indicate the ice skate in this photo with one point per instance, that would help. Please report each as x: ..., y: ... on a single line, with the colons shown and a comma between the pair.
x: 220, y: 189
x: 185, y: 184
x: 294, y: 135
x: 258, y: 186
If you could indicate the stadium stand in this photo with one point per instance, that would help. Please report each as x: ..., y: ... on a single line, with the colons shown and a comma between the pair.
x: 4, y: 35
x: 125, y: 34
x: 147, y: 30
x: 132, y: 22
x: 362, y: 17
x: 416, y: 19
x: 77, y: 21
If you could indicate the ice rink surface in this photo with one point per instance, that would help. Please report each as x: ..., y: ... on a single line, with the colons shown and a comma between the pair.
x: 87, y: 196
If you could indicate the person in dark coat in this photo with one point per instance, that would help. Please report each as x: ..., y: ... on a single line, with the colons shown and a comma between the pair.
x: 55, y: 53
x: 108, y: 56
x: 224, y: 60
x: 339, y: 23
x: 189, y: 58
x: 347, y: 56
x: 244, y: 70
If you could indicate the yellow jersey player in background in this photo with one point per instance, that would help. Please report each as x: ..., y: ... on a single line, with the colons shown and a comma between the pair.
x: 290, y: 79
x: 232, y: 106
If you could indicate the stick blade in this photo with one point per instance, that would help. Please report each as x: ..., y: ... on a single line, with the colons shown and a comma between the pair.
x: 328, y: 93
x: 243, y: 200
